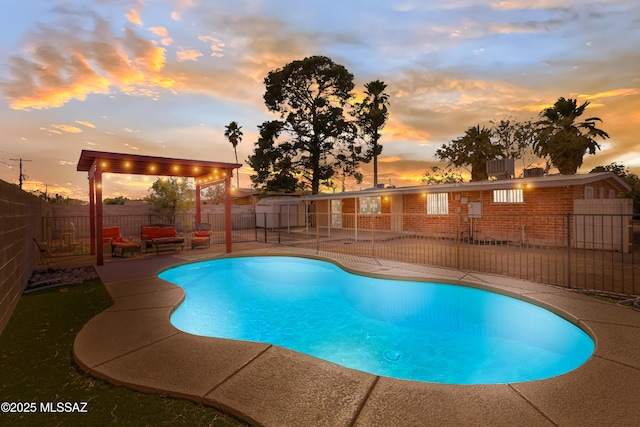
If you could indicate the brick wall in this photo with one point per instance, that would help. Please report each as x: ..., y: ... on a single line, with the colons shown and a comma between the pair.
x: 541, y: 219
x: 20, y: 214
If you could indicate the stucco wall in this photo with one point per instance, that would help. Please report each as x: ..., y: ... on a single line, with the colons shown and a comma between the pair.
x: 20, y: 222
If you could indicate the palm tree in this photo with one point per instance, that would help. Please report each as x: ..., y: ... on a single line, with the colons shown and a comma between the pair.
x: 564, y: 141
x: 234, y: 135
x: 372, y: 114
x: 473, y: 149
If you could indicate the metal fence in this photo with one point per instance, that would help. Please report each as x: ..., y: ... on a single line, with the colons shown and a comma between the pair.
x: 587, y: 251
x: 593, y: 252
x: 71, y: 235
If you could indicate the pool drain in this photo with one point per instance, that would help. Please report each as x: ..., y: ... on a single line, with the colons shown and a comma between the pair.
x: 393, y: 355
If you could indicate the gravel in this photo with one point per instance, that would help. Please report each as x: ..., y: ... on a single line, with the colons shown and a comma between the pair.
x: 59, y: 276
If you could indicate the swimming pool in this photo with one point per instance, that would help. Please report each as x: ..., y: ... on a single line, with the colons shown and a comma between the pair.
x: 404, y: 329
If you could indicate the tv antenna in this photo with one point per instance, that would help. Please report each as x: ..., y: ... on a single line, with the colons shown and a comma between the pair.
x: 22, y: 175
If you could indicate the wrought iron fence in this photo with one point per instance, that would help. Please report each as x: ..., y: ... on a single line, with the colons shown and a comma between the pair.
x: 586, y: 251
x: 71, y: 235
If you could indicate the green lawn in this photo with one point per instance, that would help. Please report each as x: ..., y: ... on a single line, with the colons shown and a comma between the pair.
x: 36, y: 366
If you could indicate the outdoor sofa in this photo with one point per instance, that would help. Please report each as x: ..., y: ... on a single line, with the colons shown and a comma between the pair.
x: 160, y: 236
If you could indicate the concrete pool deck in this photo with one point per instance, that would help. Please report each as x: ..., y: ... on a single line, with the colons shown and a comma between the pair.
x: 133, y: 344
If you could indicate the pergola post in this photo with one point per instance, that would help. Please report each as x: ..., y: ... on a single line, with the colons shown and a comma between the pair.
x: 98, y: 222
x: 198, y: 211
x: 227, y: 210
x: 92, y: 213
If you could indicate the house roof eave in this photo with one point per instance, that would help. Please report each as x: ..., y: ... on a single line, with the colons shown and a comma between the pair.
x: 503, y: 184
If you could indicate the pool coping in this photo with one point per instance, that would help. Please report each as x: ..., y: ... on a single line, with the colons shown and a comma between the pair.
x: 133, y: 344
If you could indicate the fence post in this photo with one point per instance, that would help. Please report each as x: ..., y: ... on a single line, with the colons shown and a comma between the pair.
x: 265, y: 227
x: 317, y: 220
x: 569, y: 249
x: 279, y: 222
x: 255, y: 226
x: 458, y: 240
x: 373, y: 244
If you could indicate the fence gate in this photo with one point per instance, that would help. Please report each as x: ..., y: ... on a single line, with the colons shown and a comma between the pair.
x: 603, y: 224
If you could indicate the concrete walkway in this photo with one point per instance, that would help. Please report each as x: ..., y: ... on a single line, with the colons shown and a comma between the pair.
x: 134, y: 344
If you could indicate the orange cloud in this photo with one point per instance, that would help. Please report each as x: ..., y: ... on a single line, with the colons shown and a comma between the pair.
x: 215, y: 45
x: 188, y: 55
x: 60, y: 68
x: 133, y: 17
x: 535, y: 108
x: 86, y: 123
x: 390, y: 159
x: 159, y: 31
x: 162, y: 32
x: 67, y: 128
x: 610, y: 93
x: 133, y: 14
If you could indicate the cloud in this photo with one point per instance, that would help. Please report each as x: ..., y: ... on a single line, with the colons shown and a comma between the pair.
x: 188, y: 55
x: 610, y: 93
x: 67, y: 128
x: 181, y: 6
x: 162, y: 32
x: 86, y: 123
x: 62, y: 65
x: 530, y: 4
x: 133, y: 14
x: 215, y: 45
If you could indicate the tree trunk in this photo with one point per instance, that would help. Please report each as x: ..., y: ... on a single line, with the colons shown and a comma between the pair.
x: 375, y: 165
x: 238, y: 170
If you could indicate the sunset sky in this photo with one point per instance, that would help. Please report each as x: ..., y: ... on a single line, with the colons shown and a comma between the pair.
x: 163, y: 77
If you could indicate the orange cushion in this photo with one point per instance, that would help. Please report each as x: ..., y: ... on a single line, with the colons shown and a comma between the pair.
x: 152, y: 232
x: 110, y: 234
x: 201, y: 233
x: 125, y: 244
x: 167, y: 232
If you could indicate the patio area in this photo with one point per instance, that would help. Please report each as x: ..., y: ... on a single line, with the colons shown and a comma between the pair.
x: 133, y: 344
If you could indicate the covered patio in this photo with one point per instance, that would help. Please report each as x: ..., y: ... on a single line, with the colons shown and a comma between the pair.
x: 205, y: 173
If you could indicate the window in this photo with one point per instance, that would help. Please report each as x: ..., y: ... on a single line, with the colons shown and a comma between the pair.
x: 588, y: 192
x: 508, y: 196
x: 438, y: 204
x: 370, y: 205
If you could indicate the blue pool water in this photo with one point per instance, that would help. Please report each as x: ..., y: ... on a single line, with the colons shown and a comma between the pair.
x: 403, y: 329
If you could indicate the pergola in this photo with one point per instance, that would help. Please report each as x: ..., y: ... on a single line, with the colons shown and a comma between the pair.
x: 205, y: 174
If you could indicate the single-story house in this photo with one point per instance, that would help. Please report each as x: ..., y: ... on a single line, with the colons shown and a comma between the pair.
x: 531, y: 209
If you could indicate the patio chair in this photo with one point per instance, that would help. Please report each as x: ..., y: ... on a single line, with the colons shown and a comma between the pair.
x: 44, y: 256
x: 202, y: 235
x: 112, y: 236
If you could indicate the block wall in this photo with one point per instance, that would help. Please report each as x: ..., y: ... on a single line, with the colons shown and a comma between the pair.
x: 20, y: 222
